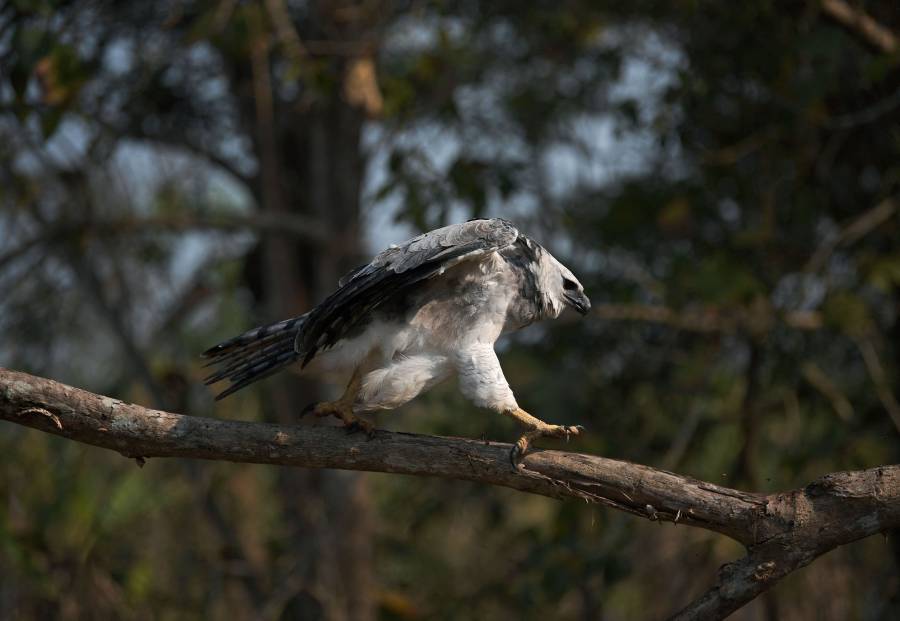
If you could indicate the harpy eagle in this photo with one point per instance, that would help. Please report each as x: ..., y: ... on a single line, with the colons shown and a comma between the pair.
x: 418, y: 313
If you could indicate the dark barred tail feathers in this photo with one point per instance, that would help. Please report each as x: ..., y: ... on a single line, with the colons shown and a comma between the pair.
x: 253, y: 355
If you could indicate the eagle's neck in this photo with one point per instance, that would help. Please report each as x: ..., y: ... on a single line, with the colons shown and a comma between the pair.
x: 531, y: 301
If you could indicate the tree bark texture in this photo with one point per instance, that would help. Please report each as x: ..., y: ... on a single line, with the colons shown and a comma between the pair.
x: 782, y: 531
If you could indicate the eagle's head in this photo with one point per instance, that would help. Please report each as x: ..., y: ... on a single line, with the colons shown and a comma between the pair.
x: 557, y: 284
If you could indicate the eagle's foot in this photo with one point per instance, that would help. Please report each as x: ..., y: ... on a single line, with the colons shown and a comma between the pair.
x: 360, y: 424
x: 343, y: 411
x: 520, y: 448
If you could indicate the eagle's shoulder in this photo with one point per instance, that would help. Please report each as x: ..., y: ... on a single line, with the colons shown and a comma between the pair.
x: 449, y: 243
x: 446, y: 242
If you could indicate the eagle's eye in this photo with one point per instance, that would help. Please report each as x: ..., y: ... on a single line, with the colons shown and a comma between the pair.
x: 569, y: 285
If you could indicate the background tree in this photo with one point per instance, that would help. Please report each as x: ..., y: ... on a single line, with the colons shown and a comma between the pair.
x: 723, y: 177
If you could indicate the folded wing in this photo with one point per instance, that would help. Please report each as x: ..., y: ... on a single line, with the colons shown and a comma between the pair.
x: 394, y: 271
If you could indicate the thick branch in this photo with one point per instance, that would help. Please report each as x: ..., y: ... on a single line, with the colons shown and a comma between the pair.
x: 783, y: 531
x: 837, y: 509
x: 135, y: 431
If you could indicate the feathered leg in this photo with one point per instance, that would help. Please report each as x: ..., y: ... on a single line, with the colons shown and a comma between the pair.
x: 537, y: 429
x: 342, y: 408
x: 481, y: 379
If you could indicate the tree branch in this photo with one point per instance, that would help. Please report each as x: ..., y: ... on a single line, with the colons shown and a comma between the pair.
x: 861, y: 23
x: 295, y: 225
x: 870, y: 220
x: 826, y: 514
x: 709, y: 319
x: 783, y: 531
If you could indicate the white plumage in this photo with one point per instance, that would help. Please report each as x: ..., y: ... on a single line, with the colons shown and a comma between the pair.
x: 418, y: 313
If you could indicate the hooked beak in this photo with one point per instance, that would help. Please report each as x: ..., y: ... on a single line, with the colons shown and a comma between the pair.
x: 578, y: 301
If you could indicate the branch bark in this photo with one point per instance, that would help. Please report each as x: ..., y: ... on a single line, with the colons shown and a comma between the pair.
x: 783, y: 531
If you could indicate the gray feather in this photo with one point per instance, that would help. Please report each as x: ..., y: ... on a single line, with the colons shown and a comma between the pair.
x: 395, y: 270
x: 255, y: 354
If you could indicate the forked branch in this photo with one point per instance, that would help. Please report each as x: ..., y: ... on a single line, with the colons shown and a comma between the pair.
x: 782, y: 531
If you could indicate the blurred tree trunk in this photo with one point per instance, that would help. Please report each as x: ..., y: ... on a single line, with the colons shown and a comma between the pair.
x: 311, y: 163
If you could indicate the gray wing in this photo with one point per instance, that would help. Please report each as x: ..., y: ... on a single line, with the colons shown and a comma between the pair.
x: 393, y: 271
